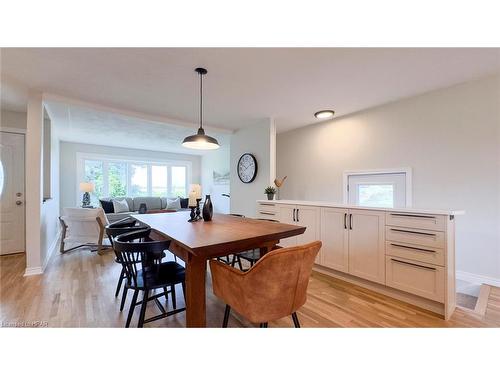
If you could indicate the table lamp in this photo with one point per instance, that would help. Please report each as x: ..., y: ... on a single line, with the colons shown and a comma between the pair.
x: 87, y: 188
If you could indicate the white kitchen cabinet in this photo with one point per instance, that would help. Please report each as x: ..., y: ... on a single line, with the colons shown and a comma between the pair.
x: 367, y: 244
x: 305, y: 216
x: 335, y: 239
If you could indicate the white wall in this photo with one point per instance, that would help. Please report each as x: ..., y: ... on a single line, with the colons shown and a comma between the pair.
x: 258, y: 140
x: 216, y: 161
x: 10, y: 119
x: 42, y: 225
x: 68, y: 160
x: 451, y: 140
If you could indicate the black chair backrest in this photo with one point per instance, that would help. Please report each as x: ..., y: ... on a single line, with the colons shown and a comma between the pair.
x: 137, y: 247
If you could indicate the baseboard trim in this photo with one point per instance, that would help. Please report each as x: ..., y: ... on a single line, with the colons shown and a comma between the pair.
x: 51, y: 250
x: 477, y: 279
x: 32, y: 271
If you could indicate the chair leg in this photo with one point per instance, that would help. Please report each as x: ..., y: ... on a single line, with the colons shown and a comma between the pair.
x: 226, y: 316
x: 263, y: 325
x: 233, y: 262
x: 132, y: 307
x: 174, y: 299
x: 295, y: 320
x: 239, y: 263
x: 124, y: 297
x: 119, y: 286
x: 143, y: 308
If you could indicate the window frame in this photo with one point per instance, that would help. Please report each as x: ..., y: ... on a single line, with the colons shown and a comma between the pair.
x: 407, y: 171
x: 106, y: 159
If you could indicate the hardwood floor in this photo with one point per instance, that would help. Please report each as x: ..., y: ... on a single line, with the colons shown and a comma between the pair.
x: 77, y: 290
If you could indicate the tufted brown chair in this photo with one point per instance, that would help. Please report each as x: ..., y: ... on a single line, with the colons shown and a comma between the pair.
x: 273, y: 288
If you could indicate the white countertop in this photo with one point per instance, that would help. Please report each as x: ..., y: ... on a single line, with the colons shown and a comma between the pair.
x: 341, y: 205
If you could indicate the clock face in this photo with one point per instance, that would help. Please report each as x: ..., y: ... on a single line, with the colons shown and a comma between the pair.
x: 247, y: 168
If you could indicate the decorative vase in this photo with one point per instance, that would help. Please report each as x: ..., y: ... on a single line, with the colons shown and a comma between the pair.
x: 270, y: 197
x: 208, y: 209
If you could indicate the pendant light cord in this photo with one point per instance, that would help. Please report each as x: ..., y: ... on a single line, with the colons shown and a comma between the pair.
x: 201, y: 101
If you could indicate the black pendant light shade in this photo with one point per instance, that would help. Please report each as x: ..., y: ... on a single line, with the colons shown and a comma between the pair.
x: 201, y: 141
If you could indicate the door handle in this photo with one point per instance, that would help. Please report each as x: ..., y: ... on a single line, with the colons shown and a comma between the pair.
x: 297, y: 214
x: 19, y: 203
x: 350, y: 221
x: 294, y: 214
x: 345, y: 220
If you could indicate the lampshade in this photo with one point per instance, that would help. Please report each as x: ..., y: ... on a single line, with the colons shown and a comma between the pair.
x: 87, y: 187
x: 197, y: 189
x: 201, y: 141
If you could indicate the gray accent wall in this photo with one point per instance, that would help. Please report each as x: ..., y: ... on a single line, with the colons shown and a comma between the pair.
x: 68, y: 160
x: 451, y: 140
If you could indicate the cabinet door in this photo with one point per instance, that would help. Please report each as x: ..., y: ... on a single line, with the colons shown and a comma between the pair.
x: 366, y: 244
x: 309, y: 217
x: 335, y: 237
x: 286, y: 214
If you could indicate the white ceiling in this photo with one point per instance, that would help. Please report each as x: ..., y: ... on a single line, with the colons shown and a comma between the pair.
x: 242, y: 85
x: 86, y: 125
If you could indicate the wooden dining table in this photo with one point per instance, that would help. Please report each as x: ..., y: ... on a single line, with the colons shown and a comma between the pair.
x: 199, y: 241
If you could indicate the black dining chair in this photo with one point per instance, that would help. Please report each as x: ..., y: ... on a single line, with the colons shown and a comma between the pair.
x: 138, y: 249
x: 114, y: 229
x: 251, y: 256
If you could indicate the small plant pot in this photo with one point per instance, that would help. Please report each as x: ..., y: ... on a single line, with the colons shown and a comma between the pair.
x: 270, y: 197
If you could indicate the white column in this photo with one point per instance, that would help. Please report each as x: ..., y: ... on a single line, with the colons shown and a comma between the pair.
x: 33, y: 193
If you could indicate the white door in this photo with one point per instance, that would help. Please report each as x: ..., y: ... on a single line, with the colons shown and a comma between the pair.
x: 286, y: 215
x: 308, y: 217
x: 366, y: 244
x: 11, y: 193
x: 377, y: 190
x: 335, y: 239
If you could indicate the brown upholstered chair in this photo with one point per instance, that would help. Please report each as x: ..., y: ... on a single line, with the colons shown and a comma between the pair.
x: 273, y: 288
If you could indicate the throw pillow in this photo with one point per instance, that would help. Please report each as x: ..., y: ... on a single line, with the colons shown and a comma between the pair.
x: 120, y: 205
x: 107, y: 206
x: 173, y: 204
x: 184, y: 202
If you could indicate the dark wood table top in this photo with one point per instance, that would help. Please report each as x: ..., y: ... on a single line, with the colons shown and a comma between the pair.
x: 223, y: 233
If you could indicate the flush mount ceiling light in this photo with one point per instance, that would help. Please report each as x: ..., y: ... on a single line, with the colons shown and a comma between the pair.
x: 322, y: 115
x: 201, y: 141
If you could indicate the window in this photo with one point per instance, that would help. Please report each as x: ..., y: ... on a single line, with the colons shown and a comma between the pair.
x: 94, y: 173
x: 159, y: 181
x: 378, y: 188
x: 117, y: 179
x: 138, y: 180
x: 179, y: 182
x: 120, y: 178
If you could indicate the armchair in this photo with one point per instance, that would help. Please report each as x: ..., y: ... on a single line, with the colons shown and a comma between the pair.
x: 83, y: 226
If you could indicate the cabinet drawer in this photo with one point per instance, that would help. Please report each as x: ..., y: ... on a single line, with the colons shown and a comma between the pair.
x: 267, y: 207
x: 415, y: 236
x: 415, y: 277
x: 420, y: 253
x: 262, y: 214
x: 420, y: 221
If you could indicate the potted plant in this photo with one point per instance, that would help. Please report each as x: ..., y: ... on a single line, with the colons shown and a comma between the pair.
x: 270, y: 191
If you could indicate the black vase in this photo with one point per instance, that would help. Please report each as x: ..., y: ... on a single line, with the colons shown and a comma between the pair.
x: 208, y: 209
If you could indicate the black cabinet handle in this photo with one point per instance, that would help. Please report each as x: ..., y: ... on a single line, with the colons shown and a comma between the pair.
x: 413, y: 264
x: 417, y: 216
x: 297, y: 214
x: 345, y: 220
x: 413, y: 248
x: 294, y: 214
x: 350, y: 221
x: 413, y: 232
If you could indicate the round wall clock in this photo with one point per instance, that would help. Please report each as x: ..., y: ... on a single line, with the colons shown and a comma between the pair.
x: 247, y: 168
